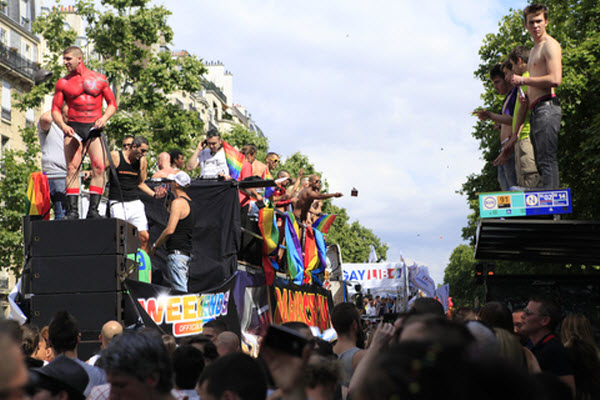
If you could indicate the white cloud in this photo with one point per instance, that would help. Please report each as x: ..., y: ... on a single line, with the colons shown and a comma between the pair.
x: 376, y: 94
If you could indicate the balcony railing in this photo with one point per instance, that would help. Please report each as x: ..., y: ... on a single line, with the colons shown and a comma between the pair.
x: 208, y: 85
x: 15, y: 60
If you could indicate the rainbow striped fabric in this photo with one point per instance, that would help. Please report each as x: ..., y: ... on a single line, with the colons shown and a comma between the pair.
x: 235, y: 159
x: 311, y: 256
x: 294, y: 250
x: 324, y: 222
x: 267, y: 224
x: 38, y: 195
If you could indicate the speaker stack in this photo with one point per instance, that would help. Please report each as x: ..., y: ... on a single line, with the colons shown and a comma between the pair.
x: 79, y: 266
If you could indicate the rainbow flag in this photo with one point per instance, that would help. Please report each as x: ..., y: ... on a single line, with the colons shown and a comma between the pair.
x: 294, y: 251
x: 324, y: 222
x: 234, y: 158
x: 267, y: 224
x: 322, y: 254
x: 311, y: 256
x: 38, y: 195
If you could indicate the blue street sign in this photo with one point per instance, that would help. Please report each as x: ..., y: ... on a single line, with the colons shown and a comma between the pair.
x: 518, y: 204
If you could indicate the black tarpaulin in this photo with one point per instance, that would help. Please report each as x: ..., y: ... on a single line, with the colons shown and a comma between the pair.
x: 216, y: 237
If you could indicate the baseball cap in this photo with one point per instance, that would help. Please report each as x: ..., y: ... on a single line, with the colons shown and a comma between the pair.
x: 62, y: 373
x: 182, y: 178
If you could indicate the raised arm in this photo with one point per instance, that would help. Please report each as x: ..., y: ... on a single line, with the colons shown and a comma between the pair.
x: 193, y: 162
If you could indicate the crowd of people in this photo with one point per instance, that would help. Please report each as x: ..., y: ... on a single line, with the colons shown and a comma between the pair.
x: 491, y: 353
x: 529, y: 121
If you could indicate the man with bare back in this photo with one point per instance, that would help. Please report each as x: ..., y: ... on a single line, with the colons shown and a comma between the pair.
x: 545, y: 73
x: 307, y: 195
x: 83, y: 90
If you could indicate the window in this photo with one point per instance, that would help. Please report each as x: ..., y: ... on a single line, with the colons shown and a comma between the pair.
x: 29, y: 118
x: 3, y: 36
x: 25, y: 14
x: 6, y: 101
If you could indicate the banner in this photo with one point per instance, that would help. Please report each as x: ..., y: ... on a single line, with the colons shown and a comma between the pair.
x: 442, y: 294
x: 309, y: 304
x: 374, y: 276
x: 183, y: 315
x: 423, y: 281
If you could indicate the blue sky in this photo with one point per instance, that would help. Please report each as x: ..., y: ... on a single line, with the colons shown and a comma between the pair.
x: 377, y: 95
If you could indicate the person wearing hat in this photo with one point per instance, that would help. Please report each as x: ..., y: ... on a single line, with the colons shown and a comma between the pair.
x: 178, y: 233
x: 61, y: 379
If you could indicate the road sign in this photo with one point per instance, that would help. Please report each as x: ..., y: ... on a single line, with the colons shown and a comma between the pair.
x: 518, y: 204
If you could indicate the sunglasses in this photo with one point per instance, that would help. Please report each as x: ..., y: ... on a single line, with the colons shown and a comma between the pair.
x: 275, y: 161
x: 127, y: 145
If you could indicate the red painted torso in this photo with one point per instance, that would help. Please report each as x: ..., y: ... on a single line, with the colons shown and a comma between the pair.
x: 83, y: 93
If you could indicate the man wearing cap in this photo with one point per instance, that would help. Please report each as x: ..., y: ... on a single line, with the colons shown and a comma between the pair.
x: 62, y: 379
x: 178, y: 233
x: 124, y: 198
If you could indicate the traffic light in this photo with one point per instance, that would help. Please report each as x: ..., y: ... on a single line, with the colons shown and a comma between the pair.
x: 479, y: 274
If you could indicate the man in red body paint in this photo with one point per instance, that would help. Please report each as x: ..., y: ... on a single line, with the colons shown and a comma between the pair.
x: 83, y: 90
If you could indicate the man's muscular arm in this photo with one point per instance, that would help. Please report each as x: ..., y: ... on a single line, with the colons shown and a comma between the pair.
x: 143, y: 176
x: 111, y: 106
x: 57, y: 103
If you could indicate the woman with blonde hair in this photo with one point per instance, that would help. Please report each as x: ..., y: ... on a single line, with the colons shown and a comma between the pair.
x: 584, y: 356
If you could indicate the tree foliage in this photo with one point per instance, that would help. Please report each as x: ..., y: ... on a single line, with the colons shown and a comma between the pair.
x: 17, y: 165
x: 575, y: 25
x: 460, y: 275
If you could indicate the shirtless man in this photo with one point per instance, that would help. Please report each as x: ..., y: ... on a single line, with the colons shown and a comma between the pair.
x: 308, y: 195
x: 164, y: 166
x: 83, y: 91
x: 506, y: 168
x: 545, y: 73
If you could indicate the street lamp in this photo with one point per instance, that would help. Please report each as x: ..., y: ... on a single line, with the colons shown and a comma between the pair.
x: 40, y: 76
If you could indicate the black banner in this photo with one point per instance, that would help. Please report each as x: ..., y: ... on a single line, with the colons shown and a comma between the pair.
x: 309, y: 304
x: 216, y: 237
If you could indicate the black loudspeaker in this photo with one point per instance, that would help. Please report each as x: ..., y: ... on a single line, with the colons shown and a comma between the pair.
x: 91, y: 310
x: 81, y: 237
x: 104, y: 273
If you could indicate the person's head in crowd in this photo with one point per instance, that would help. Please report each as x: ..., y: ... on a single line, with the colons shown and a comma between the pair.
x: 462, y: 314
x: 234, y: 376
x: 519, y: 56
x: 127, y: 142
x: 139, y: 147
x: 427, y: 371
x: 205, y: 345
x: 506, y: 66
x: 510, y: 348
x: 533, y: 10
x: 347, y: 323
x: 486, y: 344
x: 540, y: 317
x: 177, y: 159
x: 45, y: 352
x: 227, y: 343
x: 498, y: 79
x: 305, y: 182
x: 188, y: 364
x: 213, y: 140
x: 62, y: 379
x: 213, y: 328
x: 170, y: 343
x: 109, y: 330
x: 284, y: 174
x: 11, y: 328
x: 496, y: 315
x: 63, y: 332
x: 300, y: 327
x: 138, y: 365
x: 315, y: 182
x: 323, y: 348
x: 322, y: 376
x: 426, y: 305
x: 30, y: 344
x: 163, y: 160
x: 577, y: 327
x: 272, y: 161
x: 249, y: 151
x: 13, y: 372
x: 436, y: 329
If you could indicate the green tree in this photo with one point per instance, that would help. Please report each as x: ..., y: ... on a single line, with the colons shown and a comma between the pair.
x: 460, y: 275
x: 240, y: 136
x: 125, y: 36
x: 17, y: 165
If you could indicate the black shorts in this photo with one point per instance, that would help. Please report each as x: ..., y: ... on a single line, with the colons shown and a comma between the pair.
x: 84, y: 131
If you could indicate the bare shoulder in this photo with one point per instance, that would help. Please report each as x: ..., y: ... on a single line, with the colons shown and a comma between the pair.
x: 551, y: 46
